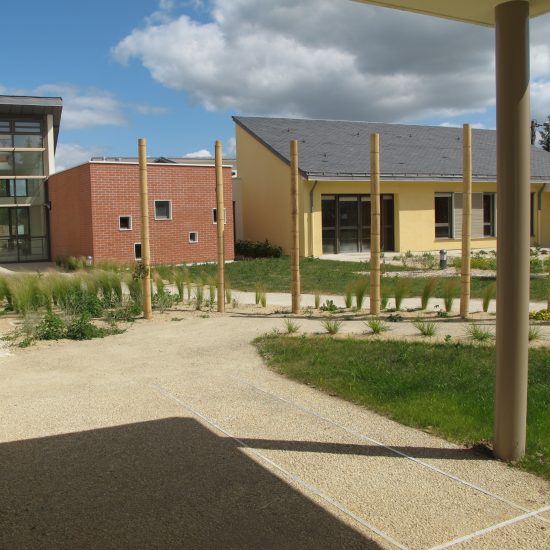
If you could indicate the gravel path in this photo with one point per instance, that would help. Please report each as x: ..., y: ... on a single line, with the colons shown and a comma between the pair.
x: 175, y: 435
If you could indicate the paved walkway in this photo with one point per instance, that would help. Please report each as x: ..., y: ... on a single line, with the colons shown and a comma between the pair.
x: 175, y: 435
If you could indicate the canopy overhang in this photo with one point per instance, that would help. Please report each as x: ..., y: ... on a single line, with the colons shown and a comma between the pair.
x: 480, y: 12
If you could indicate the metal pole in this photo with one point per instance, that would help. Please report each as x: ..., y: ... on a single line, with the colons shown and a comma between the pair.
x: 513, y: 196
x: 466, y: 222
x: 220, y: 226
x: 145, y: 248
x: 295, y: 241
x: 375, y: 224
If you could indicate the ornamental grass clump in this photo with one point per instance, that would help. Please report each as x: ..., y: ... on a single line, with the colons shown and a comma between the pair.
x: 27, y: 294
x: 179, y: 281
x: 360, y: 289
x: 332, y: 326
x: 427, y: 293
x: 479, y: 333
x: 400, y: 291
x: 384, y: 299
x: 377, y: 326
x: 290, y: 326
x: 426, y: 328
x: 534, y: 333
x: 450, y: 290
x: 317, y: 299
x: 199, y: 296
x: 488, y: 294
x: 228, y: 293
x: 348, y: 296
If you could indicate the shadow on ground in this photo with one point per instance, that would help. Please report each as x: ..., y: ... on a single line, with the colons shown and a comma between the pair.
x: 169, y: 483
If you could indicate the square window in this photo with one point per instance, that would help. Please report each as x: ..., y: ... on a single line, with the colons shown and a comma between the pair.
x: 125, y: 223
x: 215, y: 215
x: 163, y: 210
x: 137, y: 251
x: 193, y: 236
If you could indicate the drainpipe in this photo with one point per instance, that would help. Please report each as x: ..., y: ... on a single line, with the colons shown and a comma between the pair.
x: 539, y: 215
x: 311, y: 217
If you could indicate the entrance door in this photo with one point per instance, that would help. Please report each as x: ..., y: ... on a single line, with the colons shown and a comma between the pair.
x: 15, y: 238
x: 348, y: 223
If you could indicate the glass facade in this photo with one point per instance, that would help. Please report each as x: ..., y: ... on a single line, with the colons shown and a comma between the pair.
x: 23, y: 212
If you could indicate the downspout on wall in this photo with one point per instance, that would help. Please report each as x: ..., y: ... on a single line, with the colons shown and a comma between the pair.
x: 311, y: 218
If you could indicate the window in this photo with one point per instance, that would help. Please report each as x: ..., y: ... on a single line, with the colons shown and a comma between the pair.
x: 489, y: 210
x: 193, y: 236
x: 125, y: 223
x: 443, y: 215
x: 532, y: 218
x: 137, y: 251
x: 13, y: 188
x: 215, y: 215
x: 163, y: 210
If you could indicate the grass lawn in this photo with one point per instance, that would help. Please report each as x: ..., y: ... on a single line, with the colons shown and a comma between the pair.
x: 330, y: 277
x: 446, y: 388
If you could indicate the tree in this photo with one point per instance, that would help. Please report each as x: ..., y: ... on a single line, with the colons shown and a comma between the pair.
x: 544, y: 140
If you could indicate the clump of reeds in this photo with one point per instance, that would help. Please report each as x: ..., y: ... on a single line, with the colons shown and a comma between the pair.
x: 348, y: 296
x: 427, y: 293
x: 488, y: 294
x: 400, y: 291
x: 360, y: 290
x: 450, y: 290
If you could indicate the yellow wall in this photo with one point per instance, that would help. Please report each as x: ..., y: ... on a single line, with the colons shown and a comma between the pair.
x: 266, y: 204
x: 265, y: 188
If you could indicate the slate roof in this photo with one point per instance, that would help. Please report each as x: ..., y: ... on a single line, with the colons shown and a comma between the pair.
x: 335, y: 149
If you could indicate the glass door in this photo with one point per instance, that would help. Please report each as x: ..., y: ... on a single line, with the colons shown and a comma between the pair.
x: 15, y: 239
x: 348, y: 221
x: 365, y: 223
x: 328, y: 213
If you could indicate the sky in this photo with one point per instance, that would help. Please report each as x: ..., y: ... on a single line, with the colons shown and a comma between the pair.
x: 176, y: 71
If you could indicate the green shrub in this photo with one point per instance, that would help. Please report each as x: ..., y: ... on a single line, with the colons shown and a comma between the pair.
x: 81, y: 328
x: 541, y: 315
x: 329, y: 306
x: 164, y: 300
x: 348, y: 296
x: 450, y: 290
x: 199, y: 296
x: 332, y: 326
x: 377, y: 326
x: 51, y: 327
x: 180, y: 277
x: 534, y: 333
x: 27, y: 293
x: 479, y: 333
x: 257, y: 249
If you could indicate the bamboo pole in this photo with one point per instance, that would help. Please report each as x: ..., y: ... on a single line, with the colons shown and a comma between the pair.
x: 465, y: 276
x: 220, y: 226
x: 295, y: 237
x: 375, y: 224
x: 145, y: 247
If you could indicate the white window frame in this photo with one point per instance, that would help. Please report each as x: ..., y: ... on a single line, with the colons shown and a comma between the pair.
x: 135, y: 257
x: 215, y: 221
x: 169, y: 207
x: 125, y: 228
x: 197, y: 237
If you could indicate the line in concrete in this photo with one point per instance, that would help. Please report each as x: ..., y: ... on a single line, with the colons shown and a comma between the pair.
x: 495, y: 527
x: 391, y: 449
x: 286, y: 473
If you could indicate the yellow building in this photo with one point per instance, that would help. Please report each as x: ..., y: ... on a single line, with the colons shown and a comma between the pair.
x: 421, y: 185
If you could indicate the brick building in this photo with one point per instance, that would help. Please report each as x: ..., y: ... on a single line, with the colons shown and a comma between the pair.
x: 95, y: 211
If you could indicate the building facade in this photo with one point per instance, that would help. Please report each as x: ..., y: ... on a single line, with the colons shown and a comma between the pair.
x: 29, y: 127
x: 421, y: 186
x: 95, y: 211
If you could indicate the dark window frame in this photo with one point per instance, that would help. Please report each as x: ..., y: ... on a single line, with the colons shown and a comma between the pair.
x: 450, y: 224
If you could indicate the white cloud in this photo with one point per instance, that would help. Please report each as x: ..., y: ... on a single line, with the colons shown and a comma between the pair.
x: 320, y: 58
x: 202, y: 154
x: 230, y: 148
x: 150, y: 109
x: 72, y: 154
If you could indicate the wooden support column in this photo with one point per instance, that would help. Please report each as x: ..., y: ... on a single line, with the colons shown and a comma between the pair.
x: 466, y: 222
x: 145, y: 247
x: 513, y: 198
x: 375, y: 224
x: 295, y: 237
x: 220, y: 212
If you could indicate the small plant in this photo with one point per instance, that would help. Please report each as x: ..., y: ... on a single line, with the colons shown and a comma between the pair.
x: 51, y: 327
x: 263, y: 299
x: 400, y: 291
x: 163, y: 301
x: 384, y: 299
x: 360, y: 289
x: 542, y: 315
x: 427, y: 293
x: 317, y: 299
x: 235, y: 303
x: 479, y: 333
x: 427, y: 260
x: 534, y: 333
x: 290, y: 326
x: 449, y: 294
x: 488, y: 295
x: 332, y: 326
x: 228, y: 293
x: 81, y: 328
x: 199, y: 296
x: 395, y: 318
x: 447, y: 339
x: 377, y: 326
x: 426, y: 328
x: 329, y: 306
x: 257, y: 294
x: 348, y: 297
x: 211, y: 292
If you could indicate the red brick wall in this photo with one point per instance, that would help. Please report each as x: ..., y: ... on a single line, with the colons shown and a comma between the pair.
x: 192, y: 191
x: 71, y: 213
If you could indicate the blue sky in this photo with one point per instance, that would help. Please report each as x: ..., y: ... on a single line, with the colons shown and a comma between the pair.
x: 175, y: 71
